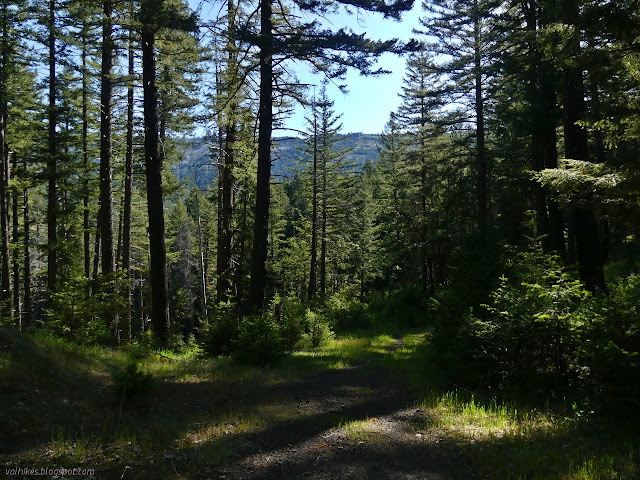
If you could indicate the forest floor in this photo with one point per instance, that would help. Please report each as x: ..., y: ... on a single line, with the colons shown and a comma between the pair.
x: 352, y: 409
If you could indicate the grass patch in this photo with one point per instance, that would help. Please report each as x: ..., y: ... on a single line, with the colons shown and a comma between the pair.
x: 505, y: 440
x: 196, y: 417
x: 366, y: 430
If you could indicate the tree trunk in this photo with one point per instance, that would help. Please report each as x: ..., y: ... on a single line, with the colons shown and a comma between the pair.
x: 263, y: 191
x: 481, y: 161
x: 119, y: 243
x: 85, y: 157
x: 16, y: 239
x: 323, y: 231
x: 588, y: 245
x: 5, y: 296
x: 314, y: 215
x: 128, y: 183
x: 26, y: 318
x: 106, y: 174
x: 203, y: 277
x: 538, y: 123
x: 155, y: 200
x: 225, y: 232
x: 96, y: 248
x: 52, y: 200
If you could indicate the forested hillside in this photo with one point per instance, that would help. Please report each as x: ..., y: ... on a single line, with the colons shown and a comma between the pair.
x: 195, y: 163
x: 457, y: 296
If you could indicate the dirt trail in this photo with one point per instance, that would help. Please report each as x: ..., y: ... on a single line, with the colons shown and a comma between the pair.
x: 381, y: 435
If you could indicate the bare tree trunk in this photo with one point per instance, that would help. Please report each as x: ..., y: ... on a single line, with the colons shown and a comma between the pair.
x: 16, y: 239
x: 5, y: 297
x: 481, y: 160
x: 128, y: 183
x: 155, y: 196
x: 52, y: 199
x: 106, y: 174
x: 96, y: 246
x: 263, y: 191
x: 26, y: 318
x: 323, y: 231
x: 203, y: 277
x: 225, y: 233
x: 118, y: 258
x: 313, y: 274
x: 85, y: 158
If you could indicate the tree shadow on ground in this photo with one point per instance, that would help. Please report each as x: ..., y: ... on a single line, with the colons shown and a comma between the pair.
x: 309, y: 442
x: 271, y: 424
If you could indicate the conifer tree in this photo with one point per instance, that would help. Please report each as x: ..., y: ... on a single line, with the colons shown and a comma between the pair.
x: 328, y: 51
x: 154, y: 16
x: 463, y: 36
x: 106, y: 169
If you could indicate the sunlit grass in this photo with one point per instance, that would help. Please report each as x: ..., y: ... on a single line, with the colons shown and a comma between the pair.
x: 501, y: 440
x: 366, y: 430
x: 504, y: 443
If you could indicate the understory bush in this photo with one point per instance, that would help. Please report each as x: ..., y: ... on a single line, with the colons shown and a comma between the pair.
x: 131, y: 382
x: 219, y: 335
x: 611, y: 346
x: 540, y: 330
x: 260, y: 340
x: 528, y: 334
x: 318, y: 331
x: 345, y: 313
x: 78, y: 310
x: 405, y: 307
x: 287, y: 325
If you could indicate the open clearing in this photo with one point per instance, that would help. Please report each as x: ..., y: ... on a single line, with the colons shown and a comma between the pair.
x: 348, y: 410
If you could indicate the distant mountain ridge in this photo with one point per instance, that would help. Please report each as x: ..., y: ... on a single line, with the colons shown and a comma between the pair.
x: 196, y: 164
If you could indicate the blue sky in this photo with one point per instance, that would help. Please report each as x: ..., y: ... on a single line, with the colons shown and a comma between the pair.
x: 366, y: 106
x: 370, y: 100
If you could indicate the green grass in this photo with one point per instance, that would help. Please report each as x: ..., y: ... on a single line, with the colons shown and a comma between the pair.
x: 502, y: 439
x: 508, y: 441
x: 366, y: 430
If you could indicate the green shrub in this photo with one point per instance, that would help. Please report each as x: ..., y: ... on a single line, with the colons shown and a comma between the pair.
x: 611, y: 345
x: 131, y: 382
x: 260, y: 340
x: 318, y: 330
x: 78, y: 309
x: 527, y: 335
x: 293, y: 324
x: 405, y: 307
x: 219, y: 335
x: 347, y: 314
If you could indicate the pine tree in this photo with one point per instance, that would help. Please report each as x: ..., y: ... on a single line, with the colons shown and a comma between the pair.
x: 106, y: 173
x: 464, y: 37
x: 329, y: 51
x: 153, y: 17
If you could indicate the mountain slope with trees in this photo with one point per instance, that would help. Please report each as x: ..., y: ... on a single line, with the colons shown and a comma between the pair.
x: 195, y: 160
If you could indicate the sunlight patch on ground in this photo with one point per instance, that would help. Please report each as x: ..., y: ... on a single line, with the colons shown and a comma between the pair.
x: 369, y: 430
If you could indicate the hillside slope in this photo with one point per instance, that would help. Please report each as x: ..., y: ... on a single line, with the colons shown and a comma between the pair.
x: 197, y: 166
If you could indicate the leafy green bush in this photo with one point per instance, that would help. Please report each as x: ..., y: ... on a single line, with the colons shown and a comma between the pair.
x: 78, y: 309
x: 294, y: 324
x: 610, y: 350
x: 405, y: 307
x: 219, y: 335
x: 527, y: 335
x: 347, y: 314
x: 260, y: 340
x: 318, y: 330
x: 131, y: 381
